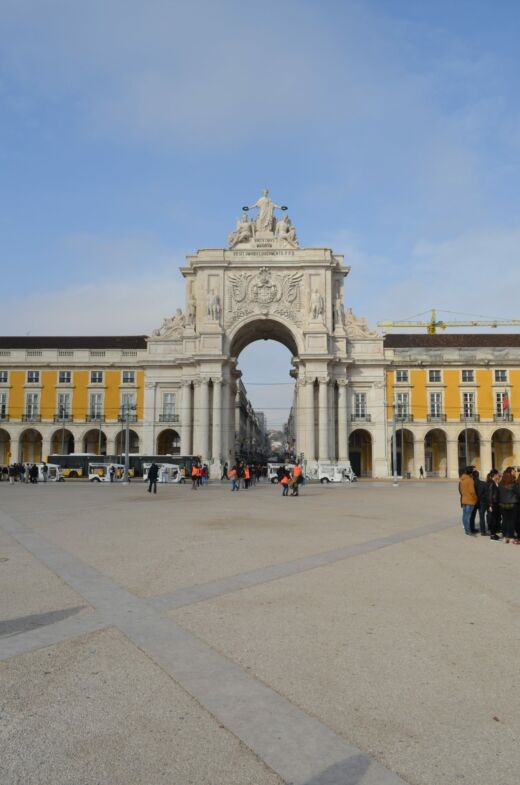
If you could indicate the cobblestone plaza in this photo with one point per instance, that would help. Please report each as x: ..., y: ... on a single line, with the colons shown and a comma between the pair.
x: 352, y: 635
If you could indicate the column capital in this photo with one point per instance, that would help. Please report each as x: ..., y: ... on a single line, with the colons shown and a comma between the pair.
x: 342, y: 382
x: 217, y: 380
x: 185, y: 383
x: 323, y: 379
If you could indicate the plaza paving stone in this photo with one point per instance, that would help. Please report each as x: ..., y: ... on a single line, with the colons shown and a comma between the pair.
x: 253, y: 639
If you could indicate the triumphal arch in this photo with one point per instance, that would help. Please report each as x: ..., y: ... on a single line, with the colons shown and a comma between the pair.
x: 264, y: 285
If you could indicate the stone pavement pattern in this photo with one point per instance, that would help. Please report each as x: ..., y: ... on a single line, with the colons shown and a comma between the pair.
x: 353, y: 635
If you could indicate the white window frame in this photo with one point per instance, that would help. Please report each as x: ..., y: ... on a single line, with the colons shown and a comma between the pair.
x: 436, y: 371
x: 360, y: 404
x: 435, y: 409
x: 32, y: 404
x: 127, y: 381
x: 4, y: 404
x: 64, y: 411
x: 402, y: 405
x: 469, y: 403
x: 169, y: 410
x: 36, y: 379
x: 4, y: 377
x: 93, y: 410
x: 470, y: 371
x: 64, y: 381
x: 129, y: 405
x: 405, y: 372
x: 500, y: 371
x: 97, y: 381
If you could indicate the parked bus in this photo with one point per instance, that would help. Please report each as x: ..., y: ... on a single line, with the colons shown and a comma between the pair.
x: 76, y: 464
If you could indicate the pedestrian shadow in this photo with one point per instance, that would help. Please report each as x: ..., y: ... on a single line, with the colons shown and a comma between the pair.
x: 25, y: 623
x: 350, y: 771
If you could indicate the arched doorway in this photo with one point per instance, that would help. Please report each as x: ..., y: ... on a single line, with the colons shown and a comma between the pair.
x: 469, y: 449
x: 62, y: 442
x: 502, y: 449
x: 435, y: 453
x: 168, y: 442
x: 5, y: 446
x: 404, y: 452
x: 121, y: 443
x: 360, y: 452
x: 30, y: 446
x: 95, y: 442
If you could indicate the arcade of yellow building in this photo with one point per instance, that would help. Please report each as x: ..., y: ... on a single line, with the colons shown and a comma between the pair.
x: 445, y: 399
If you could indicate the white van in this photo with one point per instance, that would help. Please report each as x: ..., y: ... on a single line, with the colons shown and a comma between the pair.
x: 272, y: 470
x: 54, y: 472
x: 99, y: 472
x: 168, y: 472
x: 336, y: 472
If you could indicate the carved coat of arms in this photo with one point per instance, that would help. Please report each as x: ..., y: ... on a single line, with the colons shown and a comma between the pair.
x: 265, y: 292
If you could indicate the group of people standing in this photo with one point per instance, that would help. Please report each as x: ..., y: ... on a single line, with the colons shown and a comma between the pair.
x: 496, y: 501
x: 290, y: 479
x: 199, y: 475
x: 243, y: 474
x: 25, y: 472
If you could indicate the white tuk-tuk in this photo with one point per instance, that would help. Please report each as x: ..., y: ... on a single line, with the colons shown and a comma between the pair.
x: 336, y: 472
x: 54, y: 473
x: 100, y: 472
x: 272, y: 470
x: 168, y: 472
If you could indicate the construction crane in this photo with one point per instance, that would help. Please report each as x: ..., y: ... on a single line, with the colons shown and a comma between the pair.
x: 439, y: 324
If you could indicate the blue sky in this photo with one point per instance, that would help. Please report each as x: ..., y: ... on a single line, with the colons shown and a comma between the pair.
x: 132, y: 132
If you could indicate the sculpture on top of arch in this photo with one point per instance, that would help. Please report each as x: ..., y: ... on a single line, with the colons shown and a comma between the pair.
x: 265, y: 226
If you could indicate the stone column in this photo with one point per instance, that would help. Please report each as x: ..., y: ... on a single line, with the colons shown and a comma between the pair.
x: 418, y: 455
x: 224, y: 434
x: 342, y: 421
x: 217, y: 419
x: 300, y: 417
x: 186, y: 417
x: 310, y: 448
x: 46, y: 447
x: 204, y: 418
x: 453, y: 458
x: 323, y: 418
x: 486, y: 458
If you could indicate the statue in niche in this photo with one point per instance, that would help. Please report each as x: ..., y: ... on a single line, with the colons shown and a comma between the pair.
x: 286, y: 231
x: 339, y: 309
x: 265, y: 220
x: 214, y: 306
x: 243, y: 233
x: 192, y: 311
x: 317, y: 305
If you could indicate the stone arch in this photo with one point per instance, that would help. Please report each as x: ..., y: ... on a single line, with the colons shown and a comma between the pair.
x: 502, y: 449
x: 30, y: 446
x: 94, y: 441
x: 168, y: 442
x: 5, y: 446
x: 436, y: 453
x: 62, y: 442
x: 257, y: 328
x: 360, y: 452
x: 404, y: 452
x: 133, y: 444
x: 471, y: 455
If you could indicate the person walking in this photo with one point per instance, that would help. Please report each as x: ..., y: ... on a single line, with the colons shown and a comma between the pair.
x: 296, y: 479
x: 153, y: 475
x: 247, y: 476
x: 33, y: 474
x: 12, y: 473
x: 45, y: 471
x: 225, y: 472
x: 508, y: 496
x: 111, y: 473
x: 233, y: 476
x: 493, y: 510
x: 468, y: 498
x: 421, y: 472
x: 194, y: 477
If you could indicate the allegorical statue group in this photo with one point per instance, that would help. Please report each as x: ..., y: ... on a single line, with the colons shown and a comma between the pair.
x: 265, y: 222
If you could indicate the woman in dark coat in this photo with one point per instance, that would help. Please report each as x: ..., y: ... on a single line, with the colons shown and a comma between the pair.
x: 508, y: 497
x: 493, y: 510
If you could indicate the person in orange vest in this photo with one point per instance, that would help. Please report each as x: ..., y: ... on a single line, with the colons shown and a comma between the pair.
x: 297, y: 478
x: 284, y: 482
x: 247, y: 476
x: 194, y: 477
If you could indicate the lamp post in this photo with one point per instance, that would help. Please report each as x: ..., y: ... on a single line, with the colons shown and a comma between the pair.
x: 128, y: 408
x: 394, y: 446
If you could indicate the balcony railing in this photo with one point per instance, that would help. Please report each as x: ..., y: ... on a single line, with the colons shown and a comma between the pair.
x: 504, y: 417
x: 63, y: 418
x: 27, y: 417
x: 123, y: 417
x: 169, y: 417
x: 4, y: 416
x: 466, y: 417
x: 358, y: 417
x: 432, y: 417
x: 404, y: 417
x: 95, y: 418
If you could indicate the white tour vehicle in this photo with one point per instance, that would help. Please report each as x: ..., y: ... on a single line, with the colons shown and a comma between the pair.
x: 272, y: 470
x: 100, y: 472
x: 54, y: 472
x: 335, y: 472
x: 168, y: 472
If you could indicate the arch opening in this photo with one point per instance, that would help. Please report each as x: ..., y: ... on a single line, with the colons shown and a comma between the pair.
x: 62, y: 442
x: 133, y: 445
x: 360, y: 452
x: 405, y: 462
x: 502, y: 449
x: 469, y: 449
x: 30, y: 446
x: 95, y: 442
x: 168, y: 442
x: 435, y: 453
x: 5, y: 446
